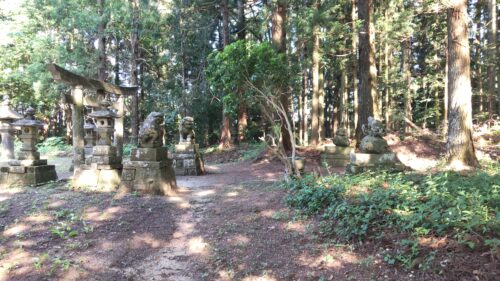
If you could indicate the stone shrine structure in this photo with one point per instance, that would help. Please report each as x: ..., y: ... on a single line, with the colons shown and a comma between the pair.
x: 90, y: 136
x: 7, y: 116
x: 28, y: 169
x: 337, y: 155
x: 375, y: 151
x: 187, y: 158
x: 103, y: 169
x: 149, y: 170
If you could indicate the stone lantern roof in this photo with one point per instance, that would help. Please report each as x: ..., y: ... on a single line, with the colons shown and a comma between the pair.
x: 6, y: 112
x: 89, y: 125
x: 29, y: 120
x: 103, y: 111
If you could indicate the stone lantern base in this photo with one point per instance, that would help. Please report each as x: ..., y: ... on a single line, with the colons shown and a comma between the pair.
x: 26, y: 173
x: 102, y: 171
x: 187, y: 160
x: 336, y: 156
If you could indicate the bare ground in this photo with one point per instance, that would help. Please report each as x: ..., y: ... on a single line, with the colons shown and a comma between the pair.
x: 230, y: 224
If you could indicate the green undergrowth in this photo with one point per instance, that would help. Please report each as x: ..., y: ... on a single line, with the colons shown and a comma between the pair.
x: 405, y: 207
x: 53, y: 145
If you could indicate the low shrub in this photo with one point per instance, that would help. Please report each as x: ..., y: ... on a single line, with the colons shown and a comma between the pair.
x: 371, y: 205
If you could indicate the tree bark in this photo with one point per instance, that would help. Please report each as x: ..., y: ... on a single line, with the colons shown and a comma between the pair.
x: 242, y: 106
x: 460, y: 146
x: 492, y: 51
x: 134, y: 74
x: 278, y: 22
x: 225, y: 136
x: 101, y: 41
x: 321, y: 105
x: 405, y: 68
x: 78, y: 132
x: 315, y: 137
x: 368, y: 98
x: 354, y: 65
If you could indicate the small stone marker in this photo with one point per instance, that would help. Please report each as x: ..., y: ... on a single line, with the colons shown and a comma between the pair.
x: 149, y: 170
x: 28, y: 169
x: 375, y: 150
x: 187, y: 158
x: 337, y: 155
x: 7, y: 116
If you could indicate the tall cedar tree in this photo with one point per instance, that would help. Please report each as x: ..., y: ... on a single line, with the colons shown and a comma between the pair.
x: 492, y: 50
x: 279, y: 41
x: 459, y: 147
x: 225, y: 135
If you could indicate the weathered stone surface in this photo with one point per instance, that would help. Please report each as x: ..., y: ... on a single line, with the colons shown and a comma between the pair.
x: 335, y: 162
x: 332, y: 149
x: 38, y: 162
x: 99, y: 179
x: 341, y: 138
x: 149, y: 177
x: 28, y: 155
x: 371, y: 144
x: 186, y: 132
x: 186, y: 147
x: 151, y: 131
x: 367, y: 159
x: 27, y: 176
x: 105, y: 160
x: 149, y: 154
x: 104, y: 150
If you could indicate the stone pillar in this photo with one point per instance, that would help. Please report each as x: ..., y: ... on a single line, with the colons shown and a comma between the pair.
x: 89, y: 136
x: 7, y: 116
x: 78, y: 131
x: 120, y: 104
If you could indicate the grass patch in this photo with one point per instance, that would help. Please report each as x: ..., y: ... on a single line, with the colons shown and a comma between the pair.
x: 53, y: 145
x: 405, y: 207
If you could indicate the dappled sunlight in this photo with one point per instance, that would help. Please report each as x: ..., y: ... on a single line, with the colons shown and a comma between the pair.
x: 7, y: 193
x: 268, y: 213
x: 415, y: 162
x: 296, y: 226
x: 56, y: 204
x: 180, y: 202
x: 232, y: 194
x: 94, y: 214
x: 18, y: 260
x: 198, y: 246
x: 264, y: 277
x: 16, y: 229
x: 142, y: 240
x: 39, y: 218
x: 204, y: 193
x: 238, y: 240
x: 332, y: 259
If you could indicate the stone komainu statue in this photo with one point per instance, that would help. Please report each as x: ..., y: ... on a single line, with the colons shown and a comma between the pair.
x: 186, y: 130
x: 341, y: 138
x: 151, y: 131
x: 374, y: 128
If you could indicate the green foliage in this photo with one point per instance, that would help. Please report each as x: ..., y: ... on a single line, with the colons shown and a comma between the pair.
x: 372, y: 205
x: 53, y: 144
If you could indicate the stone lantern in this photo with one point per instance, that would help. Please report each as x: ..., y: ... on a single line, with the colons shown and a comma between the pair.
x: 89, y: 137
x: 104, y: 122
x: 28, y: 135
x: 103, y: 169
x: 7, y: 116
x: 28, y: 169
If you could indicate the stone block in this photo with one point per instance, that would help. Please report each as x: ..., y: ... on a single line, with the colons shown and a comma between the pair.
x: 17, y: 170
x: 28, y: 155
x: 104, y: 150
x: 371, y: 144
x: 334, y: 156
x: 149, y: 178
x: 366, y: 159
x: 105, y: 160
x: 38, y: 162
x: 100, y: 179
x: 27, y: 176
x: 335, y: 162
x: 332, y: 149
x: 149, y: 154
x: 186, y: 147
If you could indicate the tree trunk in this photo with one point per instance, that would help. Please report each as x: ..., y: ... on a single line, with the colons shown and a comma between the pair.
x: 225, y: 136
x: 315, y: 83
x: 242, y: 107
x: 321, y: 105
x: 78, y: 132
x: 405, y: 68
x: 355, y: 81
x: 367, y: 104
x: 278, y: 22
x: 459, y: 147
x: 101, y: 41
x: 134, y: 75
x: 305, y: 125
x: 344, y: 103
x: 492, y: 51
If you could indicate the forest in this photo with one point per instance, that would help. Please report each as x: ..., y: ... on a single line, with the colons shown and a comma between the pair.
x: 362, y: 136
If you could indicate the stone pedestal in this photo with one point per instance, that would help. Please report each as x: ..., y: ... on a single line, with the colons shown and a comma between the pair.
x: 361, y: 162
x: 149, y: 170
x: 336, y: 156
x: 187, y: 160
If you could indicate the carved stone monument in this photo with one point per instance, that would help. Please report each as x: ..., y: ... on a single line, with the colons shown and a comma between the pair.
x: 28, y: 169
x: 90, y: 136
x: 375, y: 151
x: 103, y: 169
x: 187, y: 158
x: 149, y: 170
x: 337, y: 155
